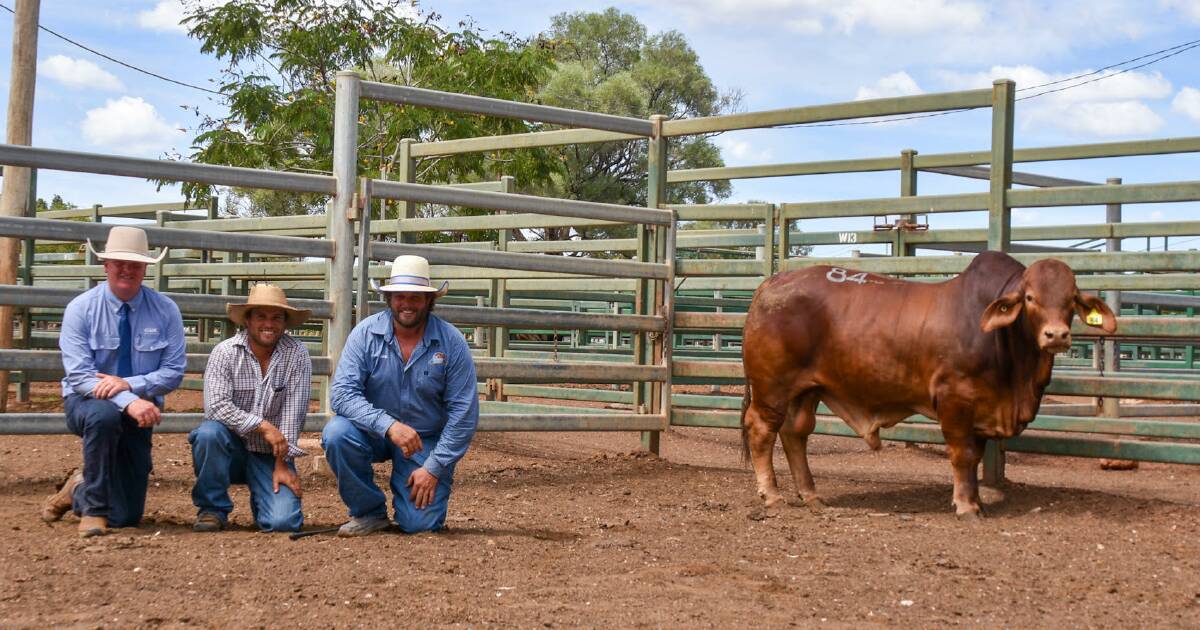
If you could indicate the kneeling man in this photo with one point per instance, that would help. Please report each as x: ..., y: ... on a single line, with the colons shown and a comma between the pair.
x: 256, y: 390
x: 122, y: 350
x: 404, y: 391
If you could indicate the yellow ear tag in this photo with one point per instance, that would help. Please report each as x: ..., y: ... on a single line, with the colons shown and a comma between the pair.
x: 1095, y: 318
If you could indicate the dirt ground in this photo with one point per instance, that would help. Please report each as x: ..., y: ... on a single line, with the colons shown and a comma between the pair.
x: 569, y: 530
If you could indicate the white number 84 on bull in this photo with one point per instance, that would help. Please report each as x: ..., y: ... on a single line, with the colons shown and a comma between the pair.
x: 837, y: 274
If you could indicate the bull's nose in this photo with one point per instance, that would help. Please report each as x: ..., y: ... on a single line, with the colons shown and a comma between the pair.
x: 1057, y: 336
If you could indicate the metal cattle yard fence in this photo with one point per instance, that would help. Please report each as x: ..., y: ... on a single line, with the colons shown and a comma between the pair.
x: 595, y: 341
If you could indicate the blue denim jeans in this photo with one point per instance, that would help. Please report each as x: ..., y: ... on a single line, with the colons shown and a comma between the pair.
x: 351, y: 451
x: 220, y: 458
x: 116, y: 461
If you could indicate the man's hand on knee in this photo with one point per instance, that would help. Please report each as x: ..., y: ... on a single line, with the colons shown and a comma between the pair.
x: 423, y: 485
x: 404, y: 437
x: 109, y: 386
x: 144, y: 412
x: 284, y: 476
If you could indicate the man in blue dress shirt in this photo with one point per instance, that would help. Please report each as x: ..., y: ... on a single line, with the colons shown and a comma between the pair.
x: 404, y: 391
x: 122, y: 350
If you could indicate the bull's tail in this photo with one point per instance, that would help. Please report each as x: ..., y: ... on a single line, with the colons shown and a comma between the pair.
x: 745, y: 437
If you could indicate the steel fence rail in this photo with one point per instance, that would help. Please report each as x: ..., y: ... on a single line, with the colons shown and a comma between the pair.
x: 78, y: 231
x: 534, y: 140
x: 141, y: 168
x: 525, y: 262
x: 406, y: 95
x: 188, y: 303
x: 522, y: 318
x: 423, y: 193
x: 927, y: 162
x: 870, y: 108
x: 50, y: 361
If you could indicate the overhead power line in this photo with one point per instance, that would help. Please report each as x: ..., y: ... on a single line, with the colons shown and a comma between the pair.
x: 118, y: 61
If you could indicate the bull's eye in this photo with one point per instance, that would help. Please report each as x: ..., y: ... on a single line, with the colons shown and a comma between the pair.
x: 1029, y: 298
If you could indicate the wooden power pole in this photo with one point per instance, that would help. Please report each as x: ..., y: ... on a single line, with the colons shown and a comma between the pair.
x: 15, y: 194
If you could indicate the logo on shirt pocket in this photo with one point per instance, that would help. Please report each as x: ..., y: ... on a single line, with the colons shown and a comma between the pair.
x: 439, y: 358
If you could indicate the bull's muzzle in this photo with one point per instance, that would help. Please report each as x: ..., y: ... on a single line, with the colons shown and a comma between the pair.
x: 1055, y: 339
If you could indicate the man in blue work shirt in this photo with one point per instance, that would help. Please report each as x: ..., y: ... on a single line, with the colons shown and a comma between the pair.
x: 122, y: 350
x: 404, y: 391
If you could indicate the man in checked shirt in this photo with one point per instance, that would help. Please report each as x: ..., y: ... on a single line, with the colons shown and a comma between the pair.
x: 256, y: 390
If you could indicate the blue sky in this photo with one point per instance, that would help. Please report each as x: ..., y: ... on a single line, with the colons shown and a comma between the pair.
x: 778, y: 53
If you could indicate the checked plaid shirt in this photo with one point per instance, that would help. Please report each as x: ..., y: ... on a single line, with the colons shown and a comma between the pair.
x: 239, y: 396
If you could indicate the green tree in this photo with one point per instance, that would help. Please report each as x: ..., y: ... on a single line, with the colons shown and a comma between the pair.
x: 282, y: 57
x: 57, y: 203
x: 607, y: 62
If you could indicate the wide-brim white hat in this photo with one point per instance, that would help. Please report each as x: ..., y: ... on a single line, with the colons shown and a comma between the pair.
x: 411, y: 273
x: 127, y: 243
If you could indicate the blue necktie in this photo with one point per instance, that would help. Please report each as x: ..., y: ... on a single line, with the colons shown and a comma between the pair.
x: 125, y: 351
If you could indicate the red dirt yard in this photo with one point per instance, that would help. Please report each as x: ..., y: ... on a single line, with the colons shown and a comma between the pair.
x: 571, y: 530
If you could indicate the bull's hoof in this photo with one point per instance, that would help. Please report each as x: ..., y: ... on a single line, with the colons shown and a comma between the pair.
x: 1118, y: 464
x: 813, y: 502
x: 970, y: 517
x: 772, y: 500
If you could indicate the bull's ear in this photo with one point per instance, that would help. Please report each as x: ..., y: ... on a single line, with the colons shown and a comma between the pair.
x: 1002, y: 312
x: 1094, y: 312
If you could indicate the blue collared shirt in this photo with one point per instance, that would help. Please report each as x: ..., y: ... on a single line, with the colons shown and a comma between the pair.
x: 90, y: 339
x: 434, y: 392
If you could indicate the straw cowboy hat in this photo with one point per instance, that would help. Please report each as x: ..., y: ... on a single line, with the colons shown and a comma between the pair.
x: 266, y: 295
x: 127, y: 243
x: 411, y: 273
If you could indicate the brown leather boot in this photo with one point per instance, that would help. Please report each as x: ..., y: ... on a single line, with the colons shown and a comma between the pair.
x: 92, y: 526
x: 58, y: 503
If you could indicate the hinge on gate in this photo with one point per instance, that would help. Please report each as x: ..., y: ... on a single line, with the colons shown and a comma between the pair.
x: 919, y: 224
x: 352, y: 211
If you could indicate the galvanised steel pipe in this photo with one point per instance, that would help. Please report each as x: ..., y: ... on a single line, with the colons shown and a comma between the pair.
x: 423, y: 193
x: 188, y: 303
x: 516, y: 317
x: 567, y: 372
x: 79, y: 231
x: 525, y: 262
x: 340, y: 269
x: 405, y: 95
x: 142, y: 168
x: 55, y: 423
x: 51, y: 361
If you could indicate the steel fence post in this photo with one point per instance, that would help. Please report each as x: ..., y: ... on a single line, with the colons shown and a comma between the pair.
x: 339, y: 229
x: 999, y: 223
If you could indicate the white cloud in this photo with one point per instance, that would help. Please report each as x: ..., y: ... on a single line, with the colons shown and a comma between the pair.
x: 129, y: 125
x: 741, y: 152
x: 1189, y: 8
x: 78, y: 74
x: 1025, y: 216
x: 804, y: 26
x: 1110, y: 107
x: 165, y: 16
x: 1157, y: 214
x: 906, y: 16
x: 895, y: 84
x: 1187, y: 102
x: 844, y: 16
x: 1115, y: 119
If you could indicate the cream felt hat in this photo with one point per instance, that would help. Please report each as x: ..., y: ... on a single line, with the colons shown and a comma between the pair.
x: 266, y: 295
x: 127, y: 243
x: 411, y: 273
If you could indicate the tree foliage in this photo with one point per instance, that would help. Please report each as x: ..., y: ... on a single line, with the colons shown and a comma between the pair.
x: 608, y: 62
x: 282, y: 57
